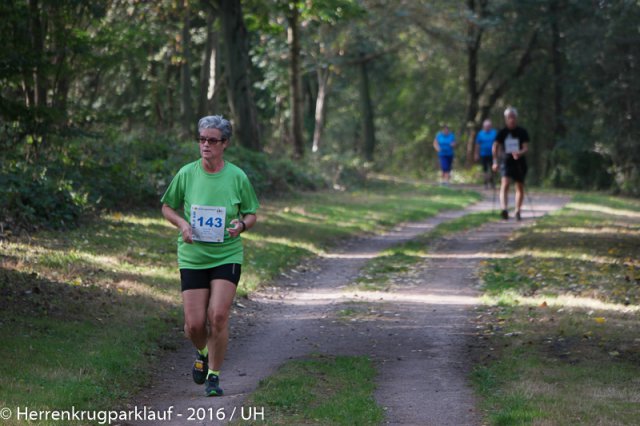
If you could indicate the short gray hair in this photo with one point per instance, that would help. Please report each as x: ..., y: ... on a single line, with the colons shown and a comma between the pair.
x: 510, y: 110
x: 216, y: 122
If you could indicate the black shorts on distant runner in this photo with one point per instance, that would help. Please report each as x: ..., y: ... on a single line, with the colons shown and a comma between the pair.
x: 201, y: 278
x: 514, y: 169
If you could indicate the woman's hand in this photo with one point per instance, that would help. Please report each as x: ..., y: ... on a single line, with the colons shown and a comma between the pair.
x: 187, y: 233
x: 494, y: 167
x: 236, y: 229
x: 172, y: 216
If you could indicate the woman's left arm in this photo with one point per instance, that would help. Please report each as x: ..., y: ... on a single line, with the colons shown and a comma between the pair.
x: 242, y: 225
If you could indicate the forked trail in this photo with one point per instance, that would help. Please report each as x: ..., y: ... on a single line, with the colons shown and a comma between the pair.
x: 418, y: 334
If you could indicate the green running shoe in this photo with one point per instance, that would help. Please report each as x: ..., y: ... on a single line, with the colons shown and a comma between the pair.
x: 213, y: 386
x: 200, y: 368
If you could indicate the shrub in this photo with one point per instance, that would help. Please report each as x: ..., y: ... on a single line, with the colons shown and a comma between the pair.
x: 115, y: 171
x: 33, y: 196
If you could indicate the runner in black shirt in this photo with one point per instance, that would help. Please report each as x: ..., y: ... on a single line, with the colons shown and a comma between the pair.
x: 509, y: 150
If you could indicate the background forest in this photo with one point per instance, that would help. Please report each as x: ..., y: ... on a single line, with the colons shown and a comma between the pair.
x: 99, y: 100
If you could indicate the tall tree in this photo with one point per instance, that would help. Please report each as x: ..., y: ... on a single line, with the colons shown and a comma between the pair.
x: 238, y: 64
x: 210, y: 69
x: 556, y: 8
x: 484, y: 94
x: 186, y: 106
x: 295, y: 79
x: 366, y: 109
x: 324, y: 77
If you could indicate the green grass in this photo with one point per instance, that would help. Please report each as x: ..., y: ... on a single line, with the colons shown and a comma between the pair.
x: 379, y: 272
x: 320, y: 390
x: 560, y: 337
x: 83, y: 311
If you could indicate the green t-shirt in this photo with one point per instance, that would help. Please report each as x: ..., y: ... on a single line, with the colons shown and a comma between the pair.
x: 229, y: 188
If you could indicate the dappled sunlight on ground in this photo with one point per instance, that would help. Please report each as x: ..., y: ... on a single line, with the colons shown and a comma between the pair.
x: 289, y: 242
x: 329, y: 296
x: 549, y: 254
x: 466, y: 256
x: 136, y: 219
x: 560, y: 301
x: 81, y: 268
x: 604, y: 209
x: 137, y: 288
x: 601, y: 231
x: 332, y: 296
x: 347, y: 256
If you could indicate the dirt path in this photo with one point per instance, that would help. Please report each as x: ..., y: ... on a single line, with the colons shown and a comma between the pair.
x: 417, y: 334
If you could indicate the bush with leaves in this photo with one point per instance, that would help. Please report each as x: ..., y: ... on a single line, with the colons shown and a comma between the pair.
x: 33, y: 196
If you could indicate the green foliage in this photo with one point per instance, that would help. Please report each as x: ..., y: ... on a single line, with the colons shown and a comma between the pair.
x: 274, y: 175
x: 69, y: 70
x: 117, y: 171
x: 36, y: 195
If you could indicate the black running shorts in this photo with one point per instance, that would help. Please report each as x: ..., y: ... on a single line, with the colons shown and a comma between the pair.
x: 201, y: 278
x: 514, y: 169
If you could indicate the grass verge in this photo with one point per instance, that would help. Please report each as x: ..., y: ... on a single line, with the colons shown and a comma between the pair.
x: 560, y: 342
x: 83, y: 311
x: 380, y: 272
x: 320, y: 390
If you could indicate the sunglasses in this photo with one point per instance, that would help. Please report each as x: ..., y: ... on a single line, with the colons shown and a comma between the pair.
x: 212, y: 141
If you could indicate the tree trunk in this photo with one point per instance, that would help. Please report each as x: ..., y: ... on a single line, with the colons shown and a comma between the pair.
x: 156, y: 93
x: 366, y: 108
x: 559, y: 129
x: 185, y: 73
x: 37, y: 41
x: 172, y: 78
x: 320, y: 112
x: 209, y: 71
x: 537, y: 134
x: 474, y: 43
x: 39, y: 77
x: 472, y: 117
x: 295, y: 82
x: 237, y: 64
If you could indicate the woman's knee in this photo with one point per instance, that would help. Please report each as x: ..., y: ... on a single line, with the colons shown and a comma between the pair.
x: 218, y: 318
x: 194, y: 327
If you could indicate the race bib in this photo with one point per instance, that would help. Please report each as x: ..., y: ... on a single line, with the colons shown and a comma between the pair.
x: 511, y: 145
x: 208, y: 223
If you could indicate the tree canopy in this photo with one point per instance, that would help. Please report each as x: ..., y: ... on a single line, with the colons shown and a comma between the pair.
x: 366, y: 80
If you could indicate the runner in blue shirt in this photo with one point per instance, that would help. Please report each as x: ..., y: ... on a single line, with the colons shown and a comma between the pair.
x: 484, y: 145
x: 444, y: 143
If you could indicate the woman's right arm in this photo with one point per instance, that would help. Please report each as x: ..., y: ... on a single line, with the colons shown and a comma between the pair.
x: 436, y: 145
x: 178, y: 221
